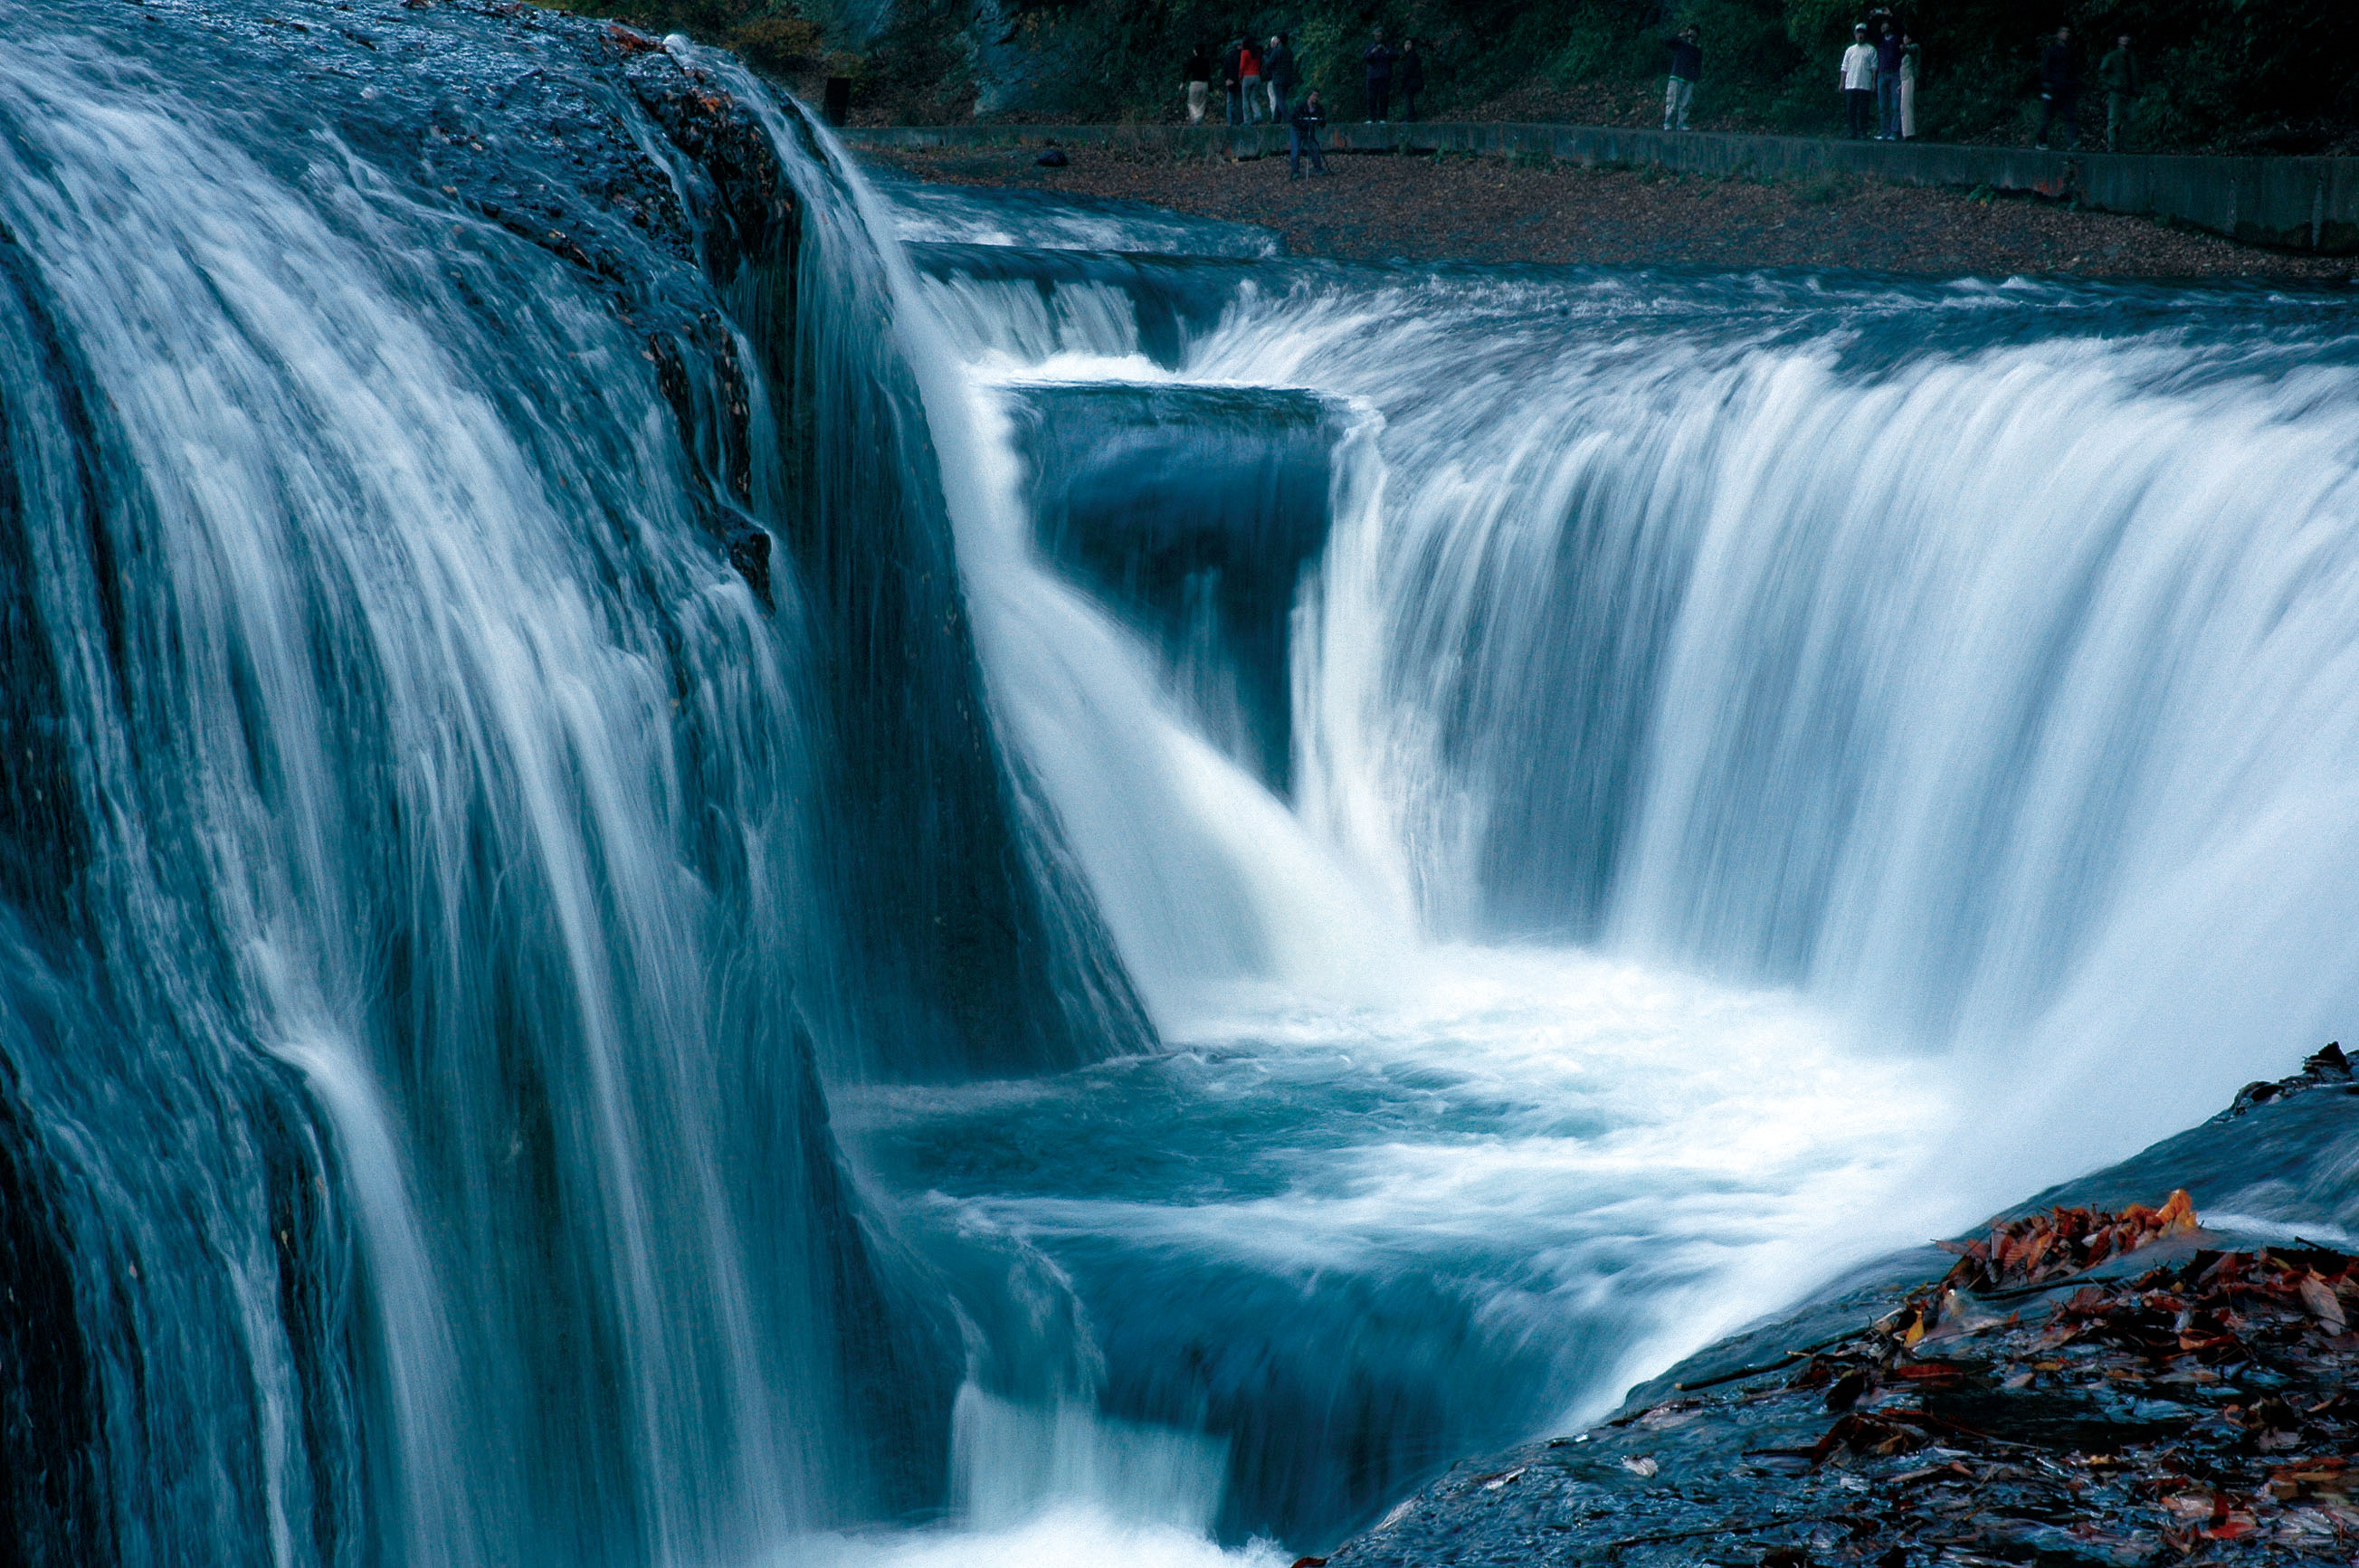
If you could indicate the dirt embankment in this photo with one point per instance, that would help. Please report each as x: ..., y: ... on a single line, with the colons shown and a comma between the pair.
x: 1418, y: 208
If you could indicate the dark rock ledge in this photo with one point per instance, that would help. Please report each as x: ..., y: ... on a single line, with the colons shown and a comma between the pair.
x: 2053, y: 1397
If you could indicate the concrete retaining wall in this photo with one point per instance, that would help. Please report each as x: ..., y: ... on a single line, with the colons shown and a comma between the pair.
x: 2296, y: 203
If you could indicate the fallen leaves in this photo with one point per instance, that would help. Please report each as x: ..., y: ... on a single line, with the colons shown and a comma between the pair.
x: 2180, y: 1401
x: 2064, y: 1241
x: 2200, y: 1401
x: 1882, y: 1434
x: 2319, y: 1298
x: 2327, y: 1478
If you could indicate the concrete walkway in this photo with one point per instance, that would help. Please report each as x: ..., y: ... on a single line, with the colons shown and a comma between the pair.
x: 2288, y: 203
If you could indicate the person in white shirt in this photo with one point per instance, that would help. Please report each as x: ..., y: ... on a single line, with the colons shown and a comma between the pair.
x: 1859, y: 81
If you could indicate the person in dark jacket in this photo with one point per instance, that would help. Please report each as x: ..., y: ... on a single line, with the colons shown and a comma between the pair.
x: 1277, y: 78
x: 1302, y: 137
x: 1408, y: 75
x: 2117, y: 73
x: 1378, y: 58
x: 1887, y: 83
x: 1687, y: 65
x: 2059, y: 88
x: 1232, y: 83
x: 1199, y: 82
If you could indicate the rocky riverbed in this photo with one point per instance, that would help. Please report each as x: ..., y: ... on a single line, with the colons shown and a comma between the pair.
x: 2088, y: 1381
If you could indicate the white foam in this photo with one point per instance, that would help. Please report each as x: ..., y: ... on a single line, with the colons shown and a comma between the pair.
x: 1066, y: 1535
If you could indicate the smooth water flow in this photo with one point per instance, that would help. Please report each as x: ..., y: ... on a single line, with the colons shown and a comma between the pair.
x: 423, y: 801
x: 1912, y: 652
x: 1292, y: 874
x: 1964, y: 656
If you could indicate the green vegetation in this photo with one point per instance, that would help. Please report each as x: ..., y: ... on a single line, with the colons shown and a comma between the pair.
x: 2250, y: 75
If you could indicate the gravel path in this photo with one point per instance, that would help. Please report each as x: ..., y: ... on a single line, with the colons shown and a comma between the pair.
x: 1415, y: 208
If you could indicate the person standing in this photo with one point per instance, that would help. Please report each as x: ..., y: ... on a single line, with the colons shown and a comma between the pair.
x: 1686, y: 65
x: 1378, y: 58
x: 1249, y: 77
x: 1302, y: 137
x: 1887, y: 83
x: 1410, y: 76
x: 1911, y: 55
x: 2060, y: 89
x: 1277, y: 77
x: 1858, y: 81
x: 2117, y: 73
x: 1199, y: 82
x: 1232, y: 87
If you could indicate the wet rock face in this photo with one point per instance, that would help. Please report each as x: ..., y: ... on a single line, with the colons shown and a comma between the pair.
x: 476, y: 142
x: 750, y: 217
x: 2082, y: 1387
x: 537, y: 123
x: 2326, y: 1069
x: 2137, y: 1415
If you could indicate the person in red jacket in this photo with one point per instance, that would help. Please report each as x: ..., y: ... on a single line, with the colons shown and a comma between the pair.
x: 1249, y: 80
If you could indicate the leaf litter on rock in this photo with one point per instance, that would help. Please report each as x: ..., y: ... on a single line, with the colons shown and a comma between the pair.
x: 2023, y: 1409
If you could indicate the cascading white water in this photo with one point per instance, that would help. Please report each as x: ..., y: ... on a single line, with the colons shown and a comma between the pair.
x: 1135, y: 788
x: 406, y: 691
x: 1732, y: 731
x: 1967, y: 659
x: 1979, y: 693
x: 1280, y: 937
x: 1980, y: 688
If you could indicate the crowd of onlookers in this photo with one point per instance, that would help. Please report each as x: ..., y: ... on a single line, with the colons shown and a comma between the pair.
x: 1257, y: 85
x: 1878, y: 78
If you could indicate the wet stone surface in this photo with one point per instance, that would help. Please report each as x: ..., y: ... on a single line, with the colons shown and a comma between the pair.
x: 2071, y: 1432
x: 527, y: 125
x: 2082, y: 1387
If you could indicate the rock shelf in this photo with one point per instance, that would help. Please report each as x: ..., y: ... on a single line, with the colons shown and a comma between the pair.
x: 2084, y: 1386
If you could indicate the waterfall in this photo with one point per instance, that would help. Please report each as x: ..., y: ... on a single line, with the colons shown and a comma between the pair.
x: 1979, y: 693
x: 431, y: 768
x: 680, y: 883
x: 427, y: 907
x: 1958, y: 665
x: 1966, y: 657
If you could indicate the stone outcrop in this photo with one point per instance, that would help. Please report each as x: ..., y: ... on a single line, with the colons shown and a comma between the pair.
x: 2169, y: 1401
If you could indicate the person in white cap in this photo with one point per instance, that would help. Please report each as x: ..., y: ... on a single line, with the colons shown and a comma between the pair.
x: 1859, y: 81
